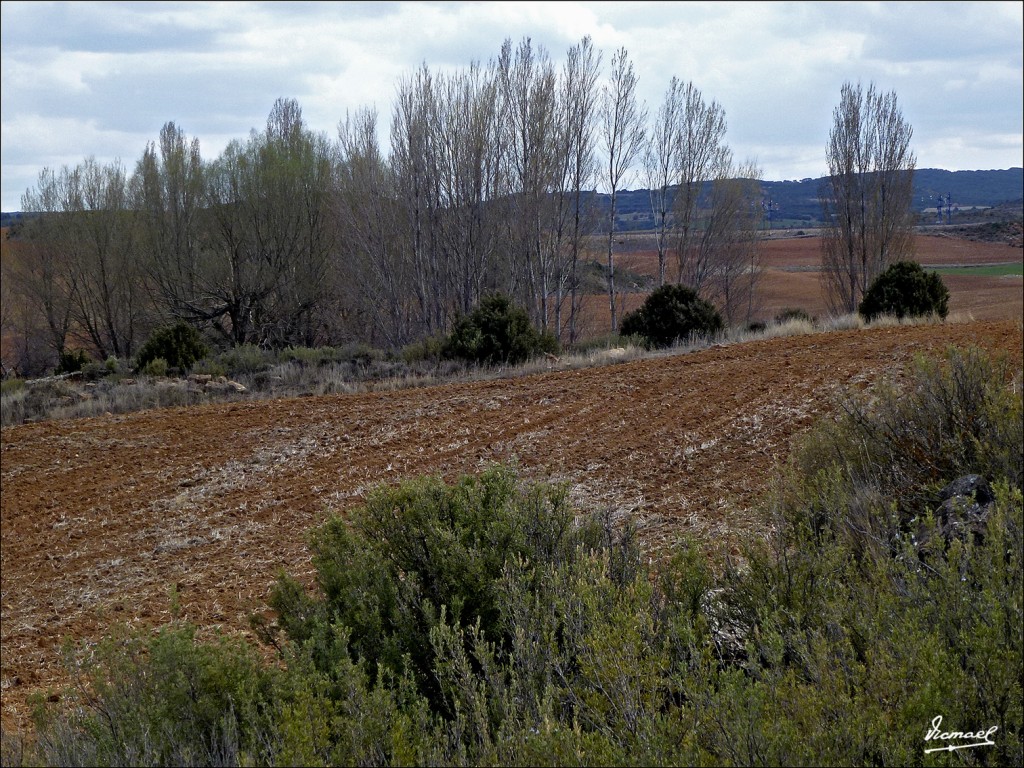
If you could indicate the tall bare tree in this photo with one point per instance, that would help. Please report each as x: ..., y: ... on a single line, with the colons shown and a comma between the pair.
x: 171, y: 200
x: 577, y: 111
x: 866, y: 196
x: 623, y: 131
x: 662, y: 165
x: 38, y: 274
x: 414, y: 164
x: 702, y: 157
x: 370, y: 220
x: 86, y: 235
x: 732, y: 239
x: 528, y: 82
x: 469, y: 176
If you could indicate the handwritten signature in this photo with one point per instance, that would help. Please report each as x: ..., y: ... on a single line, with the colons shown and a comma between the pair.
x: 981, y: 738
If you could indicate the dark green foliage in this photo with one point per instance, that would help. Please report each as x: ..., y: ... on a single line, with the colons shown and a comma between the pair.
x: 793, y: 313
x: 906, y: 290
x: 497, y: 333
x: 672, y: 313
x: 167, y: 700
x: 72, y: 361
x: 504, y: 613
x: 180, y: 345
x: 418, y: 549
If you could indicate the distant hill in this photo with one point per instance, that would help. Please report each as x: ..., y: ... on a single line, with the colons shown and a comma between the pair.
x: 7, y: 219
x: 795, y: 203
x: 968, y: 187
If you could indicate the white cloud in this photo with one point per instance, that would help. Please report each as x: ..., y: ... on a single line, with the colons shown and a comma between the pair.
x: 100, y: 79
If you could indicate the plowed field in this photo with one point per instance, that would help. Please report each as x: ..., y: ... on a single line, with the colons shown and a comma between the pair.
x: 790, y: 276
x: 103, y: 518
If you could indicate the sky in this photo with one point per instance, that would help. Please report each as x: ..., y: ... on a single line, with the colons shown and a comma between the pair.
x: 101, y: 78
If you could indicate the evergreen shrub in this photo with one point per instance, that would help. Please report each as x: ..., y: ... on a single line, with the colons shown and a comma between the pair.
x: 905, y: 290
x: 672, y: 313
x: 180, y: 345
x: 497, y: 332
x: 72, y: 361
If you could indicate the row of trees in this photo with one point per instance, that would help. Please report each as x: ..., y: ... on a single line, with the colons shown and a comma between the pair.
x: 291, y: 238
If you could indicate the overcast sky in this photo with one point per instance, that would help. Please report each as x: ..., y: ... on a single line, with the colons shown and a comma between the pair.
x: 101, y: 78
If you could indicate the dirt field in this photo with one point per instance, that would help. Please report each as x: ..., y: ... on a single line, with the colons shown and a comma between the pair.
x: 103, y: 518
x: 790, y: 277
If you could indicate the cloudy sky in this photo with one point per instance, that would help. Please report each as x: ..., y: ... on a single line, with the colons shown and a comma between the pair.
x: 101, y: 78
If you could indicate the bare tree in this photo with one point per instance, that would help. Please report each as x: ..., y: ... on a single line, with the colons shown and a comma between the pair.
x: 469, y: 177
x: 702, y: 157
x: 171, y: 197
x: 369, y: 216
x: 87, y: 283
x: 866, y: 197
x: 732, y: 239
x: 662, y: 166
x: 577, y: 109
x: 38, y: 273
x: 414, y: 164
x: 528, y: 84
x: 623, y: 132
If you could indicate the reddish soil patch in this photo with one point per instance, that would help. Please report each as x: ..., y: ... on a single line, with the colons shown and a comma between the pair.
x: 791, y: 276
x: 103, y: 517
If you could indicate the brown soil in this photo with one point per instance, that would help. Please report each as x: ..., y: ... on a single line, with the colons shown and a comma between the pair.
x: 791, y: 277
x: 102, y: 518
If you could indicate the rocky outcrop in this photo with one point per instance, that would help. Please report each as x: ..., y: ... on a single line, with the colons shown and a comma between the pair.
x: 966, y: 505
x: 210, y: 384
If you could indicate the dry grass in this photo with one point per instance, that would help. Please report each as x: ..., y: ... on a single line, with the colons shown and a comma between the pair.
x: 57, y: 399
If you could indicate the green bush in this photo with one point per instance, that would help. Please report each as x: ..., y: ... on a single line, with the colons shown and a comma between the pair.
x: 506, y: 612
x: 900, y: 445
x: 906, y: 290
x: 672, y: 313
x: 245, y: 359
x: 210, y: 367
x: 429, y: 349
x: 793, y: 313
x: 72, y: 361
x: 497, y: 333
x: 180, y: 345
x: 412, y: 551
x: 114, y: 367
x: 10, y: 386
x: 164, y: 700
x: 157, y: 367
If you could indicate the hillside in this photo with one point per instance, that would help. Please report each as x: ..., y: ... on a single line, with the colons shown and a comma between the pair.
x: 110, y: 520
x: 795, y: 203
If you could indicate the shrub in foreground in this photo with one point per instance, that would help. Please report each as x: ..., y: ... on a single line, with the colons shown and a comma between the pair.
x: 672, y: 313
x: 180, y: 345
x: 497, y: 332
x: 905, y: 290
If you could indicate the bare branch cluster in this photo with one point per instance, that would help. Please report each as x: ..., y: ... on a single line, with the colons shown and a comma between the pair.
x: 293, y: 238
x: 866, y: 199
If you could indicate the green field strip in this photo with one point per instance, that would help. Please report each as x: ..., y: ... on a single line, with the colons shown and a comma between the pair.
x: 987, y: 270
